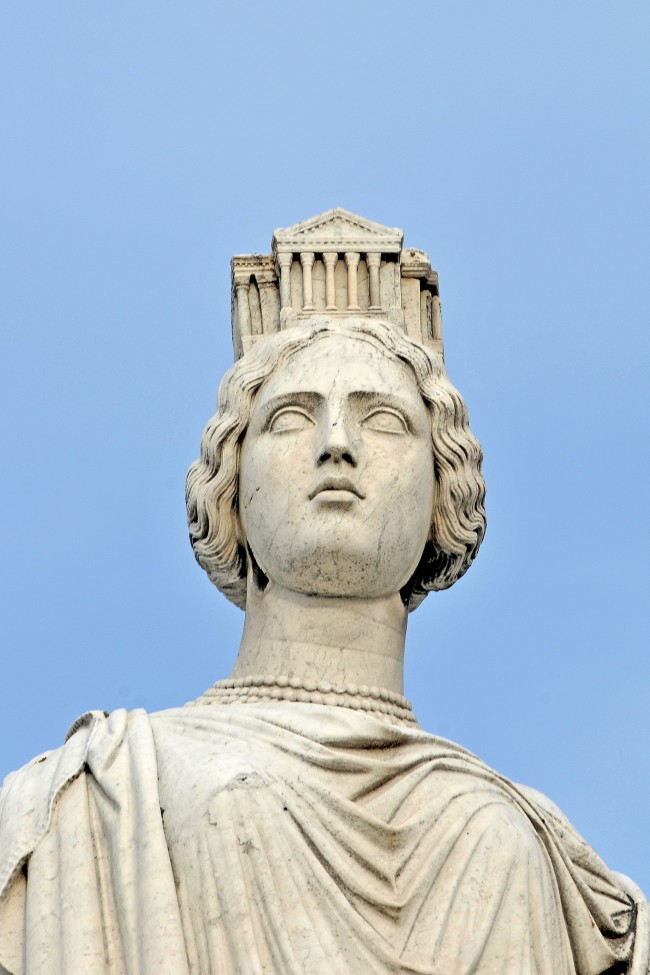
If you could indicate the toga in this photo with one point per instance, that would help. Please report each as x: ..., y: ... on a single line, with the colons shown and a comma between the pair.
x: 282, y: 838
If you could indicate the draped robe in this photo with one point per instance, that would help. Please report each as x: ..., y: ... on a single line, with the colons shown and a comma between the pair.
x: 302, y: 839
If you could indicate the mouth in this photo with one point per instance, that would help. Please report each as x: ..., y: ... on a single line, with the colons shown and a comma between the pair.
x: 336, y: 489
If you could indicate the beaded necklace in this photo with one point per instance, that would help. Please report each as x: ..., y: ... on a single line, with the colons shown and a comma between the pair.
x: 249, y: 690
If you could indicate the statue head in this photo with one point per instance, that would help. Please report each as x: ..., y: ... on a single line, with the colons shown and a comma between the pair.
x: 326, y: 326
x: 430, y: 522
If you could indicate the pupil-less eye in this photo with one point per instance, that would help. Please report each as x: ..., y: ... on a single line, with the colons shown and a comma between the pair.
x: 385, y: 421
x: 289, y: 420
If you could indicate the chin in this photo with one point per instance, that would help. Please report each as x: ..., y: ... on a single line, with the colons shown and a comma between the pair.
x: 339, y: 579
x: 343, y: 592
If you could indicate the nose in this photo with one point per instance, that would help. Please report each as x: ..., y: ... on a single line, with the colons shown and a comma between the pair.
x: 337, y: 445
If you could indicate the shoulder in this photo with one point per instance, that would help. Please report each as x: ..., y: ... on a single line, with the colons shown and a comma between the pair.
x: 38, y: 776
x: 493, y: 816
x: 29, y: 795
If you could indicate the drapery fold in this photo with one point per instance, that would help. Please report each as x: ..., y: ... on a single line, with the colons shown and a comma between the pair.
x: 295, y: 838
x: 84, y: 862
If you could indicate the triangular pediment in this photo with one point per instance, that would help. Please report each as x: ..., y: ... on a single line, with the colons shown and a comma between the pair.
x: 338, y: 230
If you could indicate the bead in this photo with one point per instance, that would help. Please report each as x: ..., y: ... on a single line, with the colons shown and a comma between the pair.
x: 380, y: 701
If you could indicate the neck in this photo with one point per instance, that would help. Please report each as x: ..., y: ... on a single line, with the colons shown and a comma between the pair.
x: 334, y: 639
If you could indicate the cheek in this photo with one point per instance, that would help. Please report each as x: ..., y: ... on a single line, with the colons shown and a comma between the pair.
x: 413, y: 492
x: 269, y: 483
x: 268, y: 467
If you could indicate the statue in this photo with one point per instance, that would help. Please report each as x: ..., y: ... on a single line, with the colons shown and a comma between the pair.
x: 295, y: 818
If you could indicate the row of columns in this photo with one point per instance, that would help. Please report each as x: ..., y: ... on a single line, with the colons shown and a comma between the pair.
x: 268, y: 303
x: 330, y: 260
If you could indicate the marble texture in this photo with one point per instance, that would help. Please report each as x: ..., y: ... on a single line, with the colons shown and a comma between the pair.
x: 340, y: 263
x: 295, y: 819
x: 305, y: 839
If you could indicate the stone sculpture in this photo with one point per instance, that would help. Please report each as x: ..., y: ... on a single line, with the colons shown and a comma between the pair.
x: 295, y: 818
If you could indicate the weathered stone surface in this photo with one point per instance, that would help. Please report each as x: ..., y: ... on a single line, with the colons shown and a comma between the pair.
x: 295, y: 818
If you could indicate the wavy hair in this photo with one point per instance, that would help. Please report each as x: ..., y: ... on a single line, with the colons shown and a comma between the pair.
x: 458, y: 522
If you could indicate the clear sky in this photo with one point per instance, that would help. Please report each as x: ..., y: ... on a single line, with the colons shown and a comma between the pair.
x: 146, y: 142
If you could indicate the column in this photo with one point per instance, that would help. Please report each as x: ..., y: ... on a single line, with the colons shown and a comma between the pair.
x: 352, y: 261
x: 373, y: 260
x: 436, y: 318
x: 269, y: 305
x: 330, y: 261
x: 426, y: 315
x: 243, y: 309
x: 285, y: 261
x: 307, y: 261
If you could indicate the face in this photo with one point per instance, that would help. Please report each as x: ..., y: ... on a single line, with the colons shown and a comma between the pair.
x: 336, y: 476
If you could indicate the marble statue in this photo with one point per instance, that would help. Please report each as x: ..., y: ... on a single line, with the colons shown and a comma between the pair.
x: 295, y: 818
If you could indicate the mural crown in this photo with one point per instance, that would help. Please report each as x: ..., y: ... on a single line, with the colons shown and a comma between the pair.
x: 335, y: 265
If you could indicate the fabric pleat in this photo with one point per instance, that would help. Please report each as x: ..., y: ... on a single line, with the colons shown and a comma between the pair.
x: 295, y: 839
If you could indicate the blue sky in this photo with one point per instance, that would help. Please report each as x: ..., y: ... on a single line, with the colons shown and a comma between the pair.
x: 144, y: 144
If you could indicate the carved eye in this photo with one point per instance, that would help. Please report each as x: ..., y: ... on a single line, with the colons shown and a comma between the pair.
x: 290, y: 420
x: 386, y: 421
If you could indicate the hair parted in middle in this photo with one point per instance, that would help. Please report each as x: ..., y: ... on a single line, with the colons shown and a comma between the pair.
x: 458, y: 522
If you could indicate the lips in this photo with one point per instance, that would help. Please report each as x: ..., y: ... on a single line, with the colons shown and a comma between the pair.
x: 336, y: 484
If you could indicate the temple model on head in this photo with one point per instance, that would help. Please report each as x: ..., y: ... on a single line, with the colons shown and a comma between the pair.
x: 295, y: 819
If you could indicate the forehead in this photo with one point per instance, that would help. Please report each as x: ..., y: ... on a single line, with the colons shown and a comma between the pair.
x: 343, y: 364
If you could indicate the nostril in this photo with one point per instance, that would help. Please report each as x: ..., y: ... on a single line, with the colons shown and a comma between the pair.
x: 337, y: 457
